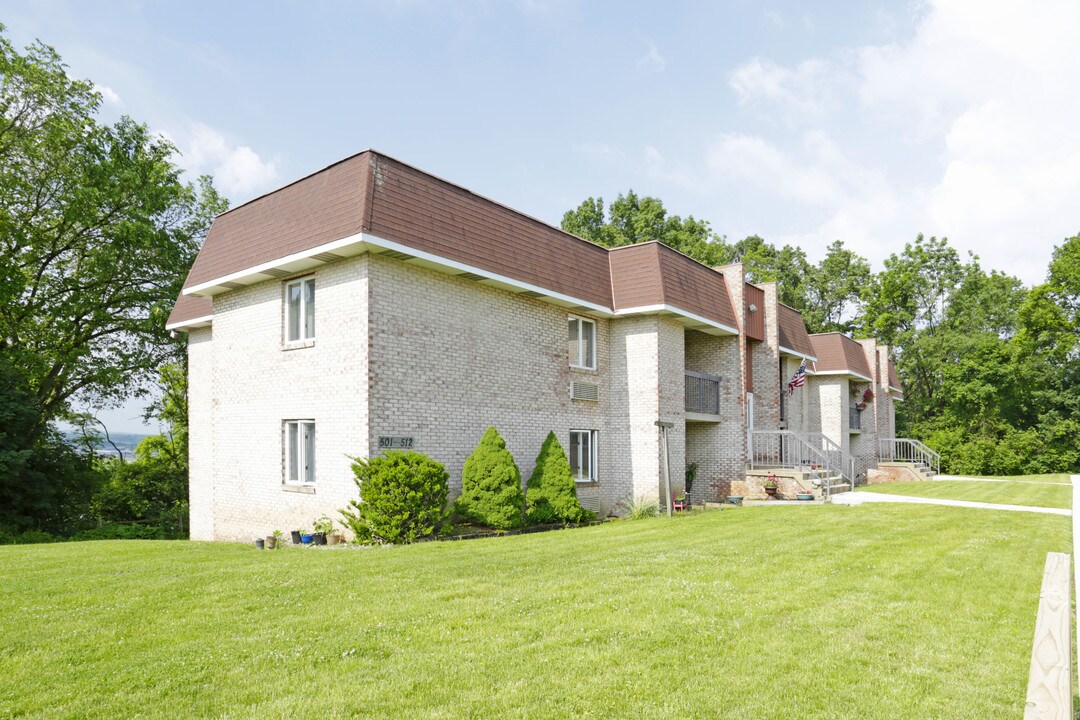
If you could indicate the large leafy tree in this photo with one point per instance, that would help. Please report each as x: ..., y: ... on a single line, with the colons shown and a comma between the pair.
x: 97, y: 230
x: 831, y: 300
x: 632, y: 219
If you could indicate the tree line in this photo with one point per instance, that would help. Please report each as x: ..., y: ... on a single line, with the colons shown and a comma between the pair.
x: 990, y: 368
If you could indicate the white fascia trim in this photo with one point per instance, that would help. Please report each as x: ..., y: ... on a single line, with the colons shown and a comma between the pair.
x: 446, y: 262
x: 257, y: 269
x: 375, y: 241
x: 648, y: 309
x: 797, y: 354
x: 844, y: 372
x: 190, y: 323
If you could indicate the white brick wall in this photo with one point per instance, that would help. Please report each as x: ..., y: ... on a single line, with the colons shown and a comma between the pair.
x: 450, y: 357
x: 256, y: 384
x: 201, y: 433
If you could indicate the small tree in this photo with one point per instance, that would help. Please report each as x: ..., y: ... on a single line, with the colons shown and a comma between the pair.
x: 402, y: 497
x: 552, y: 495
x: 491, y: 485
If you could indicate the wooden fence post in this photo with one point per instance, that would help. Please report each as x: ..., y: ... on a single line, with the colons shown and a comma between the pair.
x: 1049, y: 693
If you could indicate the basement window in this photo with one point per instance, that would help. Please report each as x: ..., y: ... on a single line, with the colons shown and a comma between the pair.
x: 300, y: 451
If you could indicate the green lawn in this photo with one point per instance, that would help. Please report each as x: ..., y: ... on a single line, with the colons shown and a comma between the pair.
x: 884, y: 611
x: 1039, y: 490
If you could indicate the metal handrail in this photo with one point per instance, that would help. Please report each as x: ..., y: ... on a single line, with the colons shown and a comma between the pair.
x: 908, y: 450
x: 840, y: 457
x: 790, y: 449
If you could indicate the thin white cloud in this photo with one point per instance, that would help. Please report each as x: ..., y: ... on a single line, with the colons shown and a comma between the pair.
x: 773, y: 16
x: 971, y: 119
x: 598, y: 152
x: 652, y: 61
x: 238, y: 171
x: 108, y: 95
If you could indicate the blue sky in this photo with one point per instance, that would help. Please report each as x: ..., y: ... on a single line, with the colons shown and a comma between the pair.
x: 802, y: 122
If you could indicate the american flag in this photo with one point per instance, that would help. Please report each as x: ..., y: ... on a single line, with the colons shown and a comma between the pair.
x: 798, y: 380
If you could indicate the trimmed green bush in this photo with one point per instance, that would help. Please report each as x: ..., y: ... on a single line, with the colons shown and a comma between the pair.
x: 552, y: 495
x: 402, y: 497
x: 491, y: 485
x: 34, y: 537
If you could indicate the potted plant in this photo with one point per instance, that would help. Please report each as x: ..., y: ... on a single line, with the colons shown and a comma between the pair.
x: 867, y: 396
x: 259, y: 543
x: 691, y: 475
x: 271, y: 542
x: 306, y: 537
x: 296, y: 538
x: 804, y: 495
x: 323, y: 527
x: 771, y: 486
x: 276, y: 540
x: 680, y: 502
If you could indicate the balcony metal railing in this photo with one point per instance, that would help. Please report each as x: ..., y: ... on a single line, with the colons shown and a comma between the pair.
x: 702, y: 393
x: 854, y: 418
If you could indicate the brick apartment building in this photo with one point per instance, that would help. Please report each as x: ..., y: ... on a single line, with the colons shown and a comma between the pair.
x: 372, y: 305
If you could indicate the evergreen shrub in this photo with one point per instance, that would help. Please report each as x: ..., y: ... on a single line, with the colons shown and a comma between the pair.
x: 491, y: 492
x: 552, y: 494
x: 402, y: 497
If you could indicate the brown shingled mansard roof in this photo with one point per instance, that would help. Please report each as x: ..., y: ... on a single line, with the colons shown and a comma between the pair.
x: 838, y: 354
x: 373, y: 203
x: 794, y: 339
x: 894, y: 379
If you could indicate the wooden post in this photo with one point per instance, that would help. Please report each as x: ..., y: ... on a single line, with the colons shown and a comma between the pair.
x: 666, y: 467
x: 1049, y: 693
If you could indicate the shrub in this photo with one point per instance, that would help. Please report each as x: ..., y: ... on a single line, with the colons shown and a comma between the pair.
x: 552, y: 494
x: 402, y: 497
x: 491, y: 485
x: 35, y: 537
x: 121, y: 532
x: 641, y: 507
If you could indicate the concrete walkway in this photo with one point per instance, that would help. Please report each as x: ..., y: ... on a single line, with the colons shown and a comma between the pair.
x: 859, y: 498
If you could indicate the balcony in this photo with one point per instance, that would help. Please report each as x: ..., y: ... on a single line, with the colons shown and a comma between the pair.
x: 702, y: 397
x: 854, y: 422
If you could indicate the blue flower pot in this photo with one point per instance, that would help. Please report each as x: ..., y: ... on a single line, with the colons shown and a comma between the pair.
x: 306, y: 539
x: 735, y: 499
x: 805, y: 496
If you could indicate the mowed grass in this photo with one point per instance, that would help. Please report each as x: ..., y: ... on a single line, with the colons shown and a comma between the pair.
x: 1039, y: 490
x: 881, y: 611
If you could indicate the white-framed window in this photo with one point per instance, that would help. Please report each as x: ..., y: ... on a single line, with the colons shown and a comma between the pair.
x: 583, y: 455
x: 582, y: 343
x: 300, y: 309
x: 299, y: 451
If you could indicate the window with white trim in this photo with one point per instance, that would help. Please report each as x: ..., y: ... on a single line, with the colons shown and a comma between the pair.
x: 300, y: 451
x: 583, y: 455
x: 300, y: 309
x: 582, y: 343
